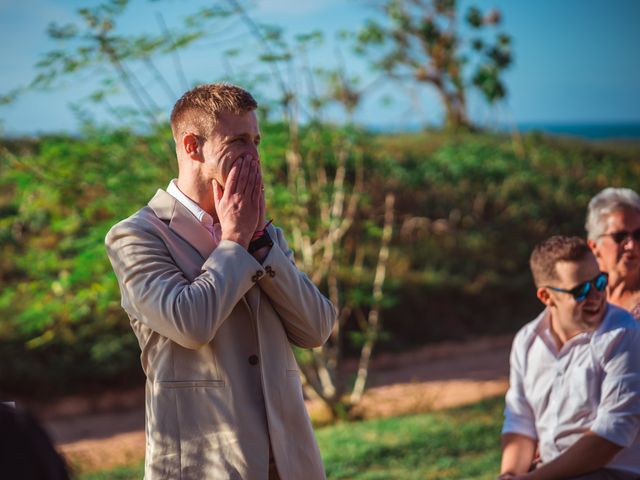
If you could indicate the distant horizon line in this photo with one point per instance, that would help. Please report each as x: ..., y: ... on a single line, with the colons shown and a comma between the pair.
x: 581, y: 122
x: 417, y: 125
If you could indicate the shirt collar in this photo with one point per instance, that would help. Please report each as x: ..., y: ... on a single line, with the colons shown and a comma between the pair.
x: 543, y: 330
x: 202, y: 216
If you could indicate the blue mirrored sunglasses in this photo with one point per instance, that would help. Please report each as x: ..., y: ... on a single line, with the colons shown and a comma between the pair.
x: 581, y: 291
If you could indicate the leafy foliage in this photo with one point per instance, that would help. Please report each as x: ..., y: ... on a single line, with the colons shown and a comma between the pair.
x: 469, y: 212
x: 60, y: 303
x: 422, y: 41
x: 318, y: 195
x: 473, y: 210
x: 463, y: 201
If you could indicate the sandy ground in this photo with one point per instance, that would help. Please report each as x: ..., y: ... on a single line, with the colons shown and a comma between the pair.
x: 106, y: 431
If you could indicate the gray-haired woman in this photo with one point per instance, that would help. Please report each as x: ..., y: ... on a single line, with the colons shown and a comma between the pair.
x: 613, y: 230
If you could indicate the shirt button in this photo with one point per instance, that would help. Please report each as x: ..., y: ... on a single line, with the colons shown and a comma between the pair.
x: 253, y: 360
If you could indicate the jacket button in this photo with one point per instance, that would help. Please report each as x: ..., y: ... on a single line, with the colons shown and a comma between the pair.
x: 253, y: 360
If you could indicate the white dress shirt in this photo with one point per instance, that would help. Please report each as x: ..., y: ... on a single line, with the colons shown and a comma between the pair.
x: 591, y: 383
x: 203, y: 217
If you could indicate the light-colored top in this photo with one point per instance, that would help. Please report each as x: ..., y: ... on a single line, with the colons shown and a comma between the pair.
x: 203, y: 217
x: 591, y: 383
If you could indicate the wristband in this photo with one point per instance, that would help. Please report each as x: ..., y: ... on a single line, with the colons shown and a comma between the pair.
x: 262, y: 241
x: 258, y: 233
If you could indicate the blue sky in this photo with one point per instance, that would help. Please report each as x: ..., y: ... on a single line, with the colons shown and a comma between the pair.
x: 575, y: 60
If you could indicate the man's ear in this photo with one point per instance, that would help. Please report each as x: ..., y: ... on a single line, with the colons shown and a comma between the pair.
x: 594, y: 247
x: 543, y: 295
x: 191, y: 146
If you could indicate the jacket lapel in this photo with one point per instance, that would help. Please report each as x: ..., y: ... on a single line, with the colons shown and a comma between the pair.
x: 182, y: 222
x: 185, y: 225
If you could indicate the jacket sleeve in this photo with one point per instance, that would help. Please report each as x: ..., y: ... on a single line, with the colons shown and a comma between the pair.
x: 155, y: 291
x: 307, y: 315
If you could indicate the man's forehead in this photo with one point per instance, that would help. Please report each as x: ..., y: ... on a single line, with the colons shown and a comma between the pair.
x: 229, y: 123
x: 571, y: 273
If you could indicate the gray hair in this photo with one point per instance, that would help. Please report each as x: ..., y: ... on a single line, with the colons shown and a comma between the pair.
x: 607, y: 201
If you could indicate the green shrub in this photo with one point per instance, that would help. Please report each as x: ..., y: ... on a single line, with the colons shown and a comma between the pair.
x: 476, y: 208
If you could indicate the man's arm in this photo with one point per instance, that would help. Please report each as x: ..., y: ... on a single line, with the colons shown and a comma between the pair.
x: 519, y: 435
x: 618, y: 414
x: 517, y: 453
x: 589, y: 453
x: 307, y: 315
x: 156, y: 292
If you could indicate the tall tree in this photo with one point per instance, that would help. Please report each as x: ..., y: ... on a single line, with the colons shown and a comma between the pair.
x: 423, y: 41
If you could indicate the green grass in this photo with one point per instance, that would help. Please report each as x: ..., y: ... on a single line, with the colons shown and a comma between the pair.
x: 458, y: 443
x: 461, y: 443
x: 129, y: 472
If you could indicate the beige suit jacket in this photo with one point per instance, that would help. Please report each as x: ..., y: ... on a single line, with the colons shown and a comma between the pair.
x: 215, y: 329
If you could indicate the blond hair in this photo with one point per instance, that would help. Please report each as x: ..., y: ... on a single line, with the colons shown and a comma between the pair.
x: 199, y: 108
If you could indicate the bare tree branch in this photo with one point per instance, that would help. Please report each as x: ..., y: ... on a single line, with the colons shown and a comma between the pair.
x: 374, y: 314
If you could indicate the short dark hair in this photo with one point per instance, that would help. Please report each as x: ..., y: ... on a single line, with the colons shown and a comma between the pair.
x: 200, y: 107
x: 548, y: 253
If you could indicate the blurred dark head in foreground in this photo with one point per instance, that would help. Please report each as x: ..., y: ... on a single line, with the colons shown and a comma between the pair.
x: 26, y: 451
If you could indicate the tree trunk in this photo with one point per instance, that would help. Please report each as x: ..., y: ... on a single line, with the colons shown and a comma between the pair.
x: 456, y: 112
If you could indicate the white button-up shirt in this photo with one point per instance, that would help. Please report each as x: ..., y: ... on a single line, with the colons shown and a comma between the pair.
x: 591, y: 383
x: 203, y: 217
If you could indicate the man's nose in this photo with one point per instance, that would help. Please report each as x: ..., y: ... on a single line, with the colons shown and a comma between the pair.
x: 594, y: 292
x: 252, y: 151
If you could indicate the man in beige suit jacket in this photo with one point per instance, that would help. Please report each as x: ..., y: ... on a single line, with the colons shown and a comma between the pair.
x: 216, y: 301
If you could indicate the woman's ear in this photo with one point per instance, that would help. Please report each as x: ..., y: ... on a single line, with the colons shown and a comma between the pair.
x: 594, y: 247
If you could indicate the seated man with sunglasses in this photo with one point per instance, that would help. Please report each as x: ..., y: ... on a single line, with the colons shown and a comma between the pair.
x: 575, y: 376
